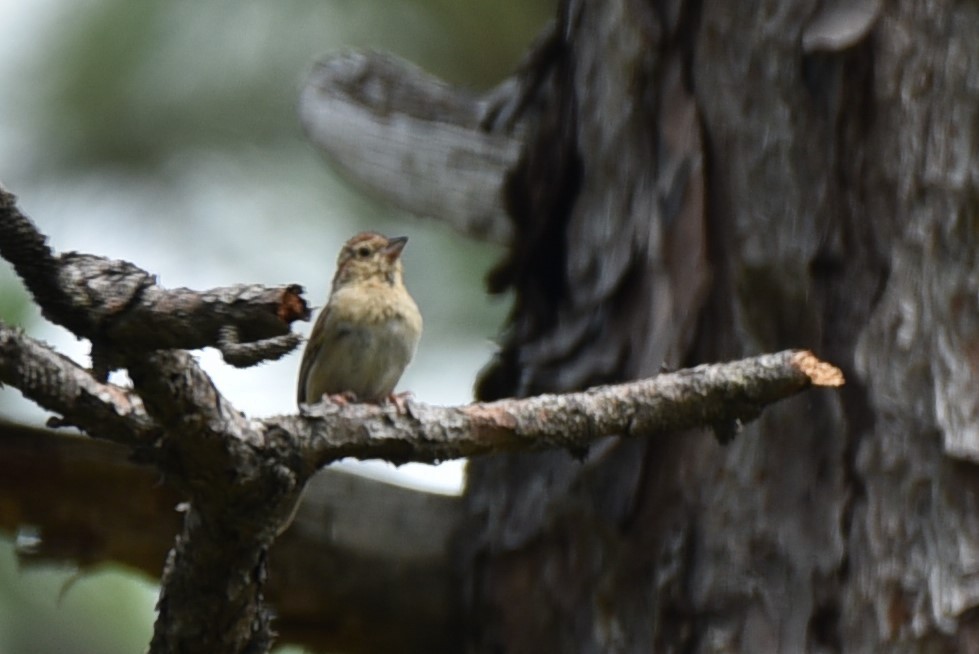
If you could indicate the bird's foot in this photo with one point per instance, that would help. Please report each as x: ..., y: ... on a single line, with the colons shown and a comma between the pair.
x: 400, y: 400
x: 341, y: 399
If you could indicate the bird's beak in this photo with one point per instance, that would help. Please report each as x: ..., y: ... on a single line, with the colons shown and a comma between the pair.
x: 394, y: 247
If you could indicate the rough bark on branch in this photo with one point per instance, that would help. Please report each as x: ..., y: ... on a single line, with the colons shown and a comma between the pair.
x: 119, y: 307
x: 58, y: 384
x: 365, y: 567
x: 181, y: 398
x: 709, y: 395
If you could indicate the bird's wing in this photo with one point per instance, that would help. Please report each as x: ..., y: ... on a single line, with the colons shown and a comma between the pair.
x: 312, y: 350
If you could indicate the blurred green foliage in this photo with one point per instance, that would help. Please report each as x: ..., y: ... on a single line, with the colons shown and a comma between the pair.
x: 130, y: 83
x: 15, y: 304
x: 107, y: 611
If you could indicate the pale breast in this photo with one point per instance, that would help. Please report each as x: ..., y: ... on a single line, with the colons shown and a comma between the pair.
x: 373, y: 339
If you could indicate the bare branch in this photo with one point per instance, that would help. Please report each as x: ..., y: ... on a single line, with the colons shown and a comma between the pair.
x: 119, y: 307
x: 704, y: 396
x: 243, y: 355
x: 242, y: 492
x: 411, y: 139
x: 207, y: 449
x: 354, y: 540
x: 178, y: 394
x: 244, y: 477
x: 185, y: 319
x: 28, y: 251
x: 59, y: 384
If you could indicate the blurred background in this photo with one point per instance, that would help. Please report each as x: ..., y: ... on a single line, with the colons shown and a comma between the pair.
x: 164, y: 132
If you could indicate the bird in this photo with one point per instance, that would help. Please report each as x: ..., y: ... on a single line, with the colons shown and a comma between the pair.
x: 368, y: 332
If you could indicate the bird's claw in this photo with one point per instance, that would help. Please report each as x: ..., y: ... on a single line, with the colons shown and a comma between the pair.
x: 400, y: 400
x: 340, y: 399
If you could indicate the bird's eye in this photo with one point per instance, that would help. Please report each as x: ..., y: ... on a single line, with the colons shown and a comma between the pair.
x: 363, y: 252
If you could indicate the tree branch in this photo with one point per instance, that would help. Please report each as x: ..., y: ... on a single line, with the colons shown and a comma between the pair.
x: 244, y: 477
x: 366, y: 566
x: 243, y: 491
x: 411, y: 139
x: 27, y: 250
x: 181, y: 397
x: 58, y: 384
x: 119, y: 307
x: 705, y: 396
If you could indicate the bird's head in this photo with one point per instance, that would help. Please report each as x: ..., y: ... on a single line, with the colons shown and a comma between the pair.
x: 370, y: 256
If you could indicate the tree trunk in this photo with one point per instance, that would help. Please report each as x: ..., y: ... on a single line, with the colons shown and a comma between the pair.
x: 709, y: 180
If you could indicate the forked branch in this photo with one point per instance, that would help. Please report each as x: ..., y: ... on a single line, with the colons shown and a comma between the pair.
x: 243, y: 476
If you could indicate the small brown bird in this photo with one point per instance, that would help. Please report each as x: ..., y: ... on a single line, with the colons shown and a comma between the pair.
x: 367, y: 334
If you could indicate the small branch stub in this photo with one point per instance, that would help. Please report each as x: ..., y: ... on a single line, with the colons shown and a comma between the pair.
x: 819, y: 372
